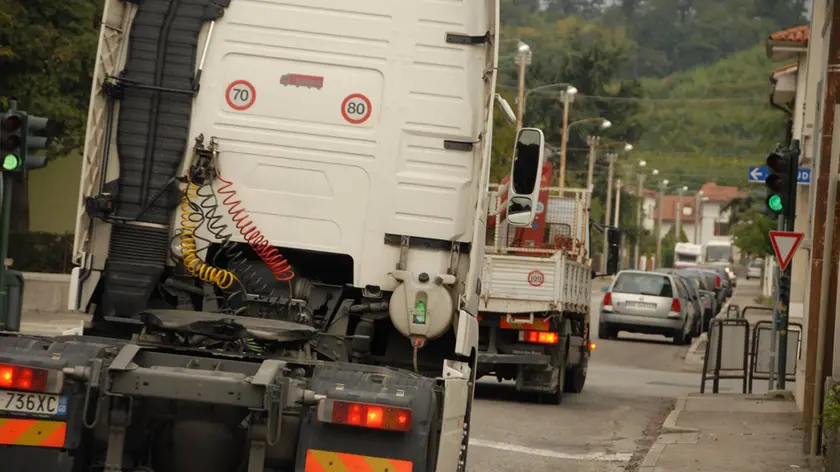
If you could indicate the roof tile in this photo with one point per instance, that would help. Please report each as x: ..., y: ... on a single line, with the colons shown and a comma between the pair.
x: 797, y: 34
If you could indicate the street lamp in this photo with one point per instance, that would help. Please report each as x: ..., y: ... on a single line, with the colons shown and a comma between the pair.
x: 523, y: 58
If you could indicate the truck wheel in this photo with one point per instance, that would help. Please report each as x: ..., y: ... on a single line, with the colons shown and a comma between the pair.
x: 576, y: 378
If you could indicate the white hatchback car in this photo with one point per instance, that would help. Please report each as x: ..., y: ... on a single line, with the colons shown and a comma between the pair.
x: 754, y: 270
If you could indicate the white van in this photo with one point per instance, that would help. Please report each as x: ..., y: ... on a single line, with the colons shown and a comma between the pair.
x: 687, y: 254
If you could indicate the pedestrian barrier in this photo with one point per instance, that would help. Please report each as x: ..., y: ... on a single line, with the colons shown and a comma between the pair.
x: 734, y: 311
x: 727, y: 353
x: 760, y: 351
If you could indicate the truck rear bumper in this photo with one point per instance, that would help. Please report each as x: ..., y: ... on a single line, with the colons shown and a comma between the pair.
x: 513, y: 359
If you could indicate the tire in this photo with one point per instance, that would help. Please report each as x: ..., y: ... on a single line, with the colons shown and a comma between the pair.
x: 606, y: 332
x: 576, y: 378
x: 679, y: 338
x: 556, y: 398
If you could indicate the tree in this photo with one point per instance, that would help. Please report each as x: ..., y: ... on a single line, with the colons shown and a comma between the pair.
x: 751, y: 234
x: 47, y: 50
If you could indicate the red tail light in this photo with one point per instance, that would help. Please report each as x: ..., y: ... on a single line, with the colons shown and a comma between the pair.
x: 608, y: 299
x: 676, y: 306
x: 15, y: 377
x: 717, y: 281
x: 365, y: 415
x: 538, y: 337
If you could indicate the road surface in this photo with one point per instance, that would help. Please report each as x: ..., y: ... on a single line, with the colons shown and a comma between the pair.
x: 632, y: 385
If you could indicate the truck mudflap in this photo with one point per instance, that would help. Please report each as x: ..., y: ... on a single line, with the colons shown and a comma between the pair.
x: 327, y: 445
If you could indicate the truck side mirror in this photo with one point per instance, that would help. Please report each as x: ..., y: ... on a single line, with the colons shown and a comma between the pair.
x: 525, y: 175
x: 613, y: 247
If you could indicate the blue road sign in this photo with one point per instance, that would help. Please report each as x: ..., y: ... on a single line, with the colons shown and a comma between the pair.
x: 757, y: 174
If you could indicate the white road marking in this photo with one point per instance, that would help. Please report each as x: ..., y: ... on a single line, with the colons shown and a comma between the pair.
x: 591, y: 456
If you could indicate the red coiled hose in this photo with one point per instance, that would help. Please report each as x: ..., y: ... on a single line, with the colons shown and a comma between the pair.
x: 275, y: 261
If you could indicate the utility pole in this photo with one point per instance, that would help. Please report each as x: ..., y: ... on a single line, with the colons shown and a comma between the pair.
x: 640, y: 210
x: 678, y: 229
x: 567, y: 97
x: 617, y: 201
x: 523, y: 58
x: 592, y: 141
x: 698, y: 221
x: 662, y: 186
x: 611, y: 157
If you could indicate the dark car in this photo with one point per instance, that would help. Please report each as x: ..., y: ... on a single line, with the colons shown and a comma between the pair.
x: 707, y: 296
x: 694, y: 296
x: 724, y: 278
x: 714, y: 281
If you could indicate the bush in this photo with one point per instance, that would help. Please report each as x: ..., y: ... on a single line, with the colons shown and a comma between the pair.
x: 41, y: 252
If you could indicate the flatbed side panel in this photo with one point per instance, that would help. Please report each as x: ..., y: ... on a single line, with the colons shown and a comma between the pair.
x: 332, y: 118
x: 522, y: 278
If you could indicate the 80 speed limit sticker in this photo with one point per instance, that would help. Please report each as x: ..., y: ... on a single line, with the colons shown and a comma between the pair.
x: 356, y: 109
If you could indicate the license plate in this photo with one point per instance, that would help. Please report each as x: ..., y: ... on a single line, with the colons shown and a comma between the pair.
x: 33, y: 403
x: 649, y: 306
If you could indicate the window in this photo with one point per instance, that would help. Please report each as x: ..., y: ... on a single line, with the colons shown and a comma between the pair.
x: 643, y: 284
x: 721, y: 229
x: 718, y: 253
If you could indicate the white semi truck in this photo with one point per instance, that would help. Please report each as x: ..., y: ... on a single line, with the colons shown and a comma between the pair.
x: 279, y: 239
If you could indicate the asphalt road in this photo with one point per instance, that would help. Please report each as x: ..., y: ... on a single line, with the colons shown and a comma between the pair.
x: 632, y: 385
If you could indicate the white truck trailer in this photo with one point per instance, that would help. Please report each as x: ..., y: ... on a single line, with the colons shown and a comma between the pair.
x: 279, y: 239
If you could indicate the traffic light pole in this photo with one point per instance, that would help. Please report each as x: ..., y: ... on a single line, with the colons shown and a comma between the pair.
x: 785, y: 276
x: 6, y: 183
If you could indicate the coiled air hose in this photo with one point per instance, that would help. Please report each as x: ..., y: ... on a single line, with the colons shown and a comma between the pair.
x: 190, y: 222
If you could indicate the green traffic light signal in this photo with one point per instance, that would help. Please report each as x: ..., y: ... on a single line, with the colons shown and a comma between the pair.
x: 774, y: 203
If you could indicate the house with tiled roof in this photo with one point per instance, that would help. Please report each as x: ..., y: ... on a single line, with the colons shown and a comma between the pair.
x: 701, y: 214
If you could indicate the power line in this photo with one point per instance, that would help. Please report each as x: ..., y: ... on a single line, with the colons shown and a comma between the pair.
x: 649, y: 99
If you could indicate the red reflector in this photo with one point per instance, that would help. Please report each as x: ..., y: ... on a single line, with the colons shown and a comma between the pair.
x: 538, y: 337
x: 15, y: 377
x: 368, y: 415
x: 479, y: 318
x: 717, y: 281
x: 676, y: 306
x: 608, y: 299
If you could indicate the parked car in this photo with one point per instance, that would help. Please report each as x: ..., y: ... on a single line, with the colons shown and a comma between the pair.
x: 725, y: 280
x: 649, y: 303
x: 707, y: 299
x: 693, y: 293
x: 754, y: 269
x: 715, y: 283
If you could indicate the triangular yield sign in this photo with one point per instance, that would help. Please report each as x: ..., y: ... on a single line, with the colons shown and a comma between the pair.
x: 784, y: 245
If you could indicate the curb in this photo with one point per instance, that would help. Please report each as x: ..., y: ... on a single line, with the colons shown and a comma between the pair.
x: 669, y: 434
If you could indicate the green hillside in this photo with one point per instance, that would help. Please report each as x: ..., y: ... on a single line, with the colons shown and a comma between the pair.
x: 712, y: 122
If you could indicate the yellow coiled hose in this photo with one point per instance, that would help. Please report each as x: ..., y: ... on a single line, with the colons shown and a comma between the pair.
x: 190, y: 221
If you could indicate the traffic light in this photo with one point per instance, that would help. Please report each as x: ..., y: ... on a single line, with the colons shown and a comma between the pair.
x: 784, y: 286
x: 783, y: 169
x: 12, y: 141
x: 35, y: 126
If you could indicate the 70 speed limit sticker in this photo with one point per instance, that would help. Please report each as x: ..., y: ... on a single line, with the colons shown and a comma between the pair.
x: 356, y: 109
x: 240, y: 95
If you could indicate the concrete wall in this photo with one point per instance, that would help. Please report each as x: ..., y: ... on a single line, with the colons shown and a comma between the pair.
x: 45, y: 293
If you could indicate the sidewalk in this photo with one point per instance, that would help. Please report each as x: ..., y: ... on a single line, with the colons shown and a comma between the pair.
x: 725, y: 432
